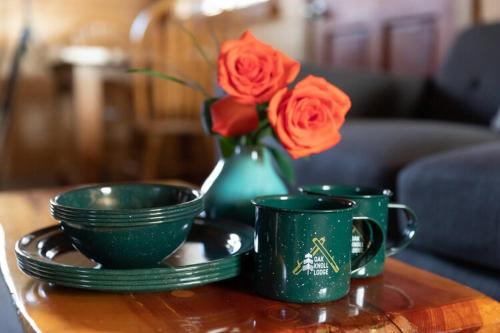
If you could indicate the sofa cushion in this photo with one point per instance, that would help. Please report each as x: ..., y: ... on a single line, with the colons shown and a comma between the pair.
x: 479, y: 278
x: 373, y: 95
x: 467, y: 84
x: 456, y: 196
x: 373, y: 151
x: 495, y: 122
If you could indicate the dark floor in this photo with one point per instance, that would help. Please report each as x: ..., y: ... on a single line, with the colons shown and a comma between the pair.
x: 8, y: 315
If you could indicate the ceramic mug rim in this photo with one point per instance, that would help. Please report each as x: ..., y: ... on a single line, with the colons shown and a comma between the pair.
x: 318, y: 188
x: 349, y: 204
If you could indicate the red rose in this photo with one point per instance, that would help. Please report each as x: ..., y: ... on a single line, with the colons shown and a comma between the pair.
x: 251, y: 71
x: 307, y: 118
x: 230, y: 118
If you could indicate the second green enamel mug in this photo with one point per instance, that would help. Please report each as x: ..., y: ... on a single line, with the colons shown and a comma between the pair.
x: 373, y: 203
x: 302, y: 247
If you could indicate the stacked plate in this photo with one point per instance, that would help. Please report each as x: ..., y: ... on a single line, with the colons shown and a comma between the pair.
x: 212, y: 252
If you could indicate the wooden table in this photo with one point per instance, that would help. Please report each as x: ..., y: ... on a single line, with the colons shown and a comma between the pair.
x: 404, y: 299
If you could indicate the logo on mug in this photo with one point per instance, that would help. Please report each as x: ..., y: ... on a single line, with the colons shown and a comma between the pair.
x: 358, y: 241
x: 318, y: 261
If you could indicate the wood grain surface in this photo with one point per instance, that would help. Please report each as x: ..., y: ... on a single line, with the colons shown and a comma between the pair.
x: 403, y: 299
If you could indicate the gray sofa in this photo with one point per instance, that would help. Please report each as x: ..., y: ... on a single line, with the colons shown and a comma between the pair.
x: 429, y: 139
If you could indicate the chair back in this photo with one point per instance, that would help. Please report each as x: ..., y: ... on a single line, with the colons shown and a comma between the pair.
x: 159, y: 42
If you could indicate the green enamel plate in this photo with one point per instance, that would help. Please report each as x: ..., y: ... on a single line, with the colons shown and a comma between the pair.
x: 135, y: 288
x: 127, y: 285
x: 33, y: 267
x: 211, y: 245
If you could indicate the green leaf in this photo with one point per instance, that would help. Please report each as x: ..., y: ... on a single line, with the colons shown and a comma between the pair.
x: 206, y: 115
x: 227, y: 145
x: 163, y: 76
x: 284, y: 163
x: 267, y: 131
x: 214, y: 37
x: 263, y: 129
x: 262, y: 110
x: 196, y: 43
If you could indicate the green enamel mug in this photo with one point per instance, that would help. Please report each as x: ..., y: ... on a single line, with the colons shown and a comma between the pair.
x: 303, y: 246
x: 373, y: 203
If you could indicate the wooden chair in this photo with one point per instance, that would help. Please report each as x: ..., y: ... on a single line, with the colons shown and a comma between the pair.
x: 167, y: 111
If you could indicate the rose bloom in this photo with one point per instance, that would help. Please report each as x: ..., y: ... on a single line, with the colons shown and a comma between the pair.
x: 307, y: 118
x: 251, y: 71
x: 230, y: 118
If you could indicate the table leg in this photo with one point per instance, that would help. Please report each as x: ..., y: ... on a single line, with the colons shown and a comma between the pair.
x: 89, y: 123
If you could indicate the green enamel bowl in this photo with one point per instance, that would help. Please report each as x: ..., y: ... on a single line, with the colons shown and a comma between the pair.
x: 128, y: 247
x: 116, y: 222
x: 126, y: 200
x: 129, y: 215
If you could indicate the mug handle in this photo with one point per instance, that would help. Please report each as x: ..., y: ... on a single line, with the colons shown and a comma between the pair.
x: 408, y: 233
x: 374, y: 245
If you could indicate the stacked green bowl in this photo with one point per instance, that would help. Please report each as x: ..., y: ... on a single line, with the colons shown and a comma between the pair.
x: 127, y: 225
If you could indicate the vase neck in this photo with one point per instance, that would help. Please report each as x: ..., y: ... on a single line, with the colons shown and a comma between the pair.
x: 255, y: 152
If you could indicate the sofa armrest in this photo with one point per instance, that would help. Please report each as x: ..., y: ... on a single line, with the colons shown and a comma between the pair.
x: 374, y: 95
x: 455, y: 195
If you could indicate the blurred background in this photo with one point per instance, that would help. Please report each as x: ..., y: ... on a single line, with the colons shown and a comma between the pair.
x: 71, y: 113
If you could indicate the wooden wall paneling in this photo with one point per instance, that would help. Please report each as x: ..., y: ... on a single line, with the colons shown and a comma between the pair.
x: 395, y: 36
x: 342, y: 34
x: 313, y: 40
x: 409, y: 45
x: 158, y: 46
x: 348, y: 47
x: 431, y: 24
x: 489, y: 10
x: 74, y: 17
x: 477, y: 8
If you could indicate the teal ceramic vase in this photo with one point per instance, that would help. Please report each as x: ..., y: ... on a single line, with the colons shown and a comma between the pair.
x: 236, y: 180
